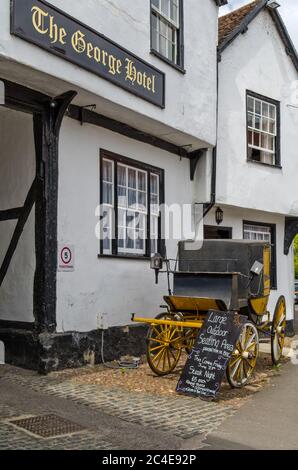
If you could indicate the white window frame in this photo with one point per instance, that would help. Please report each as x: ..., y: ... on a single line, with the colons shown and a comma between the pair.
x: 135, y: 210
x: 147, y: 212
x: 264, y: 134
x: 109, y: 208
x: 261, y: 232
x: 173, y: 25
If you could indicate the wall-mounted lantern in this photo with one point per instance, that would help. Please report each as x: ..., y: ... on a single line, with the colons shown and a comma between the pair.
x: 219, y: 215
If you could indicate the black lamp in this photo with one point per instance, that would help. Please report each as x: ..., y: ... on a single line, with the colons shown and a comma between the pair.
x: 219, y: 215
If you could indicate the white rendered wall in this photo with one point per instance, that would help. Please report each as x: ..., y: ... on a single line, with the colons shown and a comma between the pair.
x: 257, y: 61
x: 117, y: 287
x: 234, y: 217
x: 17, y: 172
x: 190, y: 98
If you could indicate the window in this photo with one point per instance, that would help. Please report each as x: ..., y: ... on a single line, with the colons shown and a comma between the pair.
x: 262, y: 129
x: 167, y: 30
x: 131, y: 194
x: 267, y: 233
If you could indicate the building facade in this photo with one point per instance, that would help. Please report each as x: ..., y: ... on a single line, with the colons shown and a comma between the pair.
x: 257, y: 159
x: 109, y: 109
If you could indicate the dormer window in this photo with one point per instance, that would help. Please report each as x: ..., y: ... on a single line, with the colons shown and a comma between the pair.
x: 166, y: 30
x: 262, y: 130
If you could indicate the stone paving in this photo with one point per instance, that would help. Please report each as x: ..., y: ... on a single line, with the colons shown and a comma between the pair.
x: 183, y: 416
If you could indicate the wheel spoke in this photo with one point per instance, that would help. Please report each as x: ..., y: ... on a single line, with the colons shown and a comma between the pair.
x: 156, y: 347
x: 155, y: 340
x: 159, y: 354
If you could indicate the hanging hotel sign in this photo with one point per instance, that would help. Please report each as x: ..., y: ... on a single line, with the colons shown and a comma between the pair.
x: 53, y: 30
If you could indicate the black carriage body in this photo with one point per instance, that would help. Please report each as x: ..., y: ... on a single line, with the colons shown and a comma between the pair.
x: 220, y: 270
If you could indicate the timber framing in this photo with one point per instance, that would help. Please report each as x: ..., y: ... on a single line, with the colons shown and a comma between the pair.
x: 10, y: 214
x: 47, y: 115
x: 84, y: 115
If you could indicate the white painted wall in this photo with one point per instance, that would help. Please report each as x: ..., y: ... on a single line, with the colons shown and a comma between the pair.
x: 256, y: 61
x: 234, y: 217
x: 190, y: 98
x: 17, y: 172
x: 114, y: 286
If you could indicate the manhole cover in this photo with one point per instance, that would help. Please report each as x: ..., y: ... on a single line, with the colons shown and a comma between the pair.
x: 47, y: 425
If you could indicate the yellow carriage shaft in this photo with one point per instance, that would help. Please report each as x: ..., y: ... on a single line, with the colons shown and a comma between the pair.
x: 184, y: 324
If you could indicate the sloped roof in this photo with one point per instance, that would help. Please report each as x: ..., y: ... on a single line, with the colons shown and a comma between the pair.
x: 238, y: 21
x: 228, y: 23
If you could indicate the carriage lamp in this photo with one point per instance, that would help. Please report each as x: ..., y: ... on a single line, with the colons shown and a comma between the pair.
x: 257, y: 268
x: 156, y: 263
x: 219, y: 216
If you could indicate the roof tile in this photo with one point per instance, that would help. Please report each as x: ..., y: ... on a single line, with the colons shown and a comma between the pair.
x: 228, y: 23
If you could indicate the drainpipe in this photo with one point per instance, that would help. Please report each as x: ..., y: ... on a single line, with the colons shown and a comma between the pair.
x: 209, y: 205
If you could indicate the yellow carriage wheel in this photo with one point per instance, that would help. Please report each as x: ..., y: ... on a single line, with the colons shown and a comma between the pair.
x: 164, y: 346
x: 243, y: 361
x: 278, y: 330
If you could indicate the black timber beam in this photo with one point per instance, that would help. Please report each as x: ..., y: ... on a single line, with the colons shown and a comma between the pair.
x: 291, y: 230
x: 10, y: 214
x: 87, y: 116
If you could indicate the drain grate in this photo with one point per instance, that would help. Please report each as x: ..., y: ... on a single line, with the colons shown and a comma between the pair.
x: 47, y: 425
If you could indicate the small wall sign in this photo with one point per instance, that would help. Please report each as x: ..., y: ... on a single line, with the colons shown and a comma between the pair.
x: 66, y: 259
x: 46, y: 26
x: 208, y: 360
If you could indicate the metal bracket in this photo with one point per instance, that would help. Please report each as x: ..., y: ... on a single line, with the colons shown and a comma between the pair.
x: 291, y: 230
x: 91, y: 107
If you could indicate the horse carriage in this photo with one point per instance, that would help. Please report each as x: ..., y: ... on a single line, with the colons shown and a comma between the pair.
x: 224, y: 275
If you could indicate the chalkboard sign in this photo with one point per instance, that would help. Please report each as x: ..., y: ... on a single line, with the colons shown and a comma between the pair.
x: 207, y: 362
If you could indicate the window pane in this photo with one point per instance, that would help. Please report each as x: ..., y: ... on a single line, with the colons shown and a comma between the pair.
x: 256, y: 139
x: 154, y: 184
x: 257, y: 122
x: 122, y: 197
x: 107, y: 170
x: 163, y: 46
x: 265, y: 124
x: 142, y: 201
x: 141, y: 222
x: 121, y: 238
x: 272, y: 111
x: 258, y: 107
x: 140, y: 243
x: 250, y: 120
x: 132, y: 180
x: 130, y: 242
x: 271, y: 142
x: 142, y: 181
x: 271, y: 126
x: 250, y: 136
x: 164, y: 6
x: 265, y: 109
x: 107, y: 193
x: 267, y: 158
x: 121, y: 218
x: 155, y: 3
x: 264, y: 141
x: 130, y: 219
x: 250, y: 104
x: 132, y: 198
x: 174, y: 11
x: 121, y: 175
